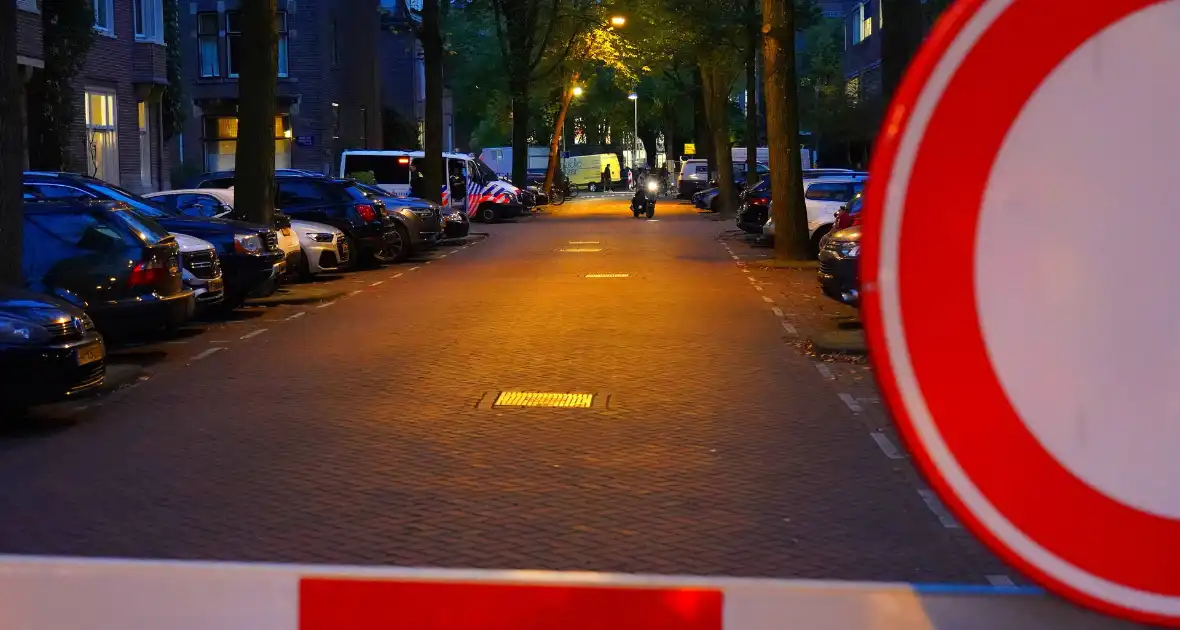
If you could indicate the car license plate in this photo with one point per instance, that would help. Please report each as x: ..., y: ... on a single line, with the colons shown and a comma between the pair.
x: 215, y: 285
x: 286, y: 231
x: 91, y: 353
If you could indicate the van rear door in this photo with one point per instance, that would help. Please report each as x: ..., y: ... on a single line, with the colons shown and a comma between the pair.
x: 391, y: 171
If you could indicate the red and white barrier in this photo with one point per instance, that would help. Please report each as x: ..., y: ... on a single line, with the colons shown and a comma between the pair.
x: 40, y: 593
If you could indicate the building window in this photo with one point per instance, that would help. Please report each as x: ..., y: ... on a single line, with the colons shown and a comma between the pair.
x: 852, y: 88
x: 28, y: 5
x: 281, y: 27
x: 102, y: 155
x: 104, y: 15
x: 208, y: 45
x: 221, y: 142
x: 149, y: 19
x: 145, y: 148
x: 862, y: 23
x: 233, y: 31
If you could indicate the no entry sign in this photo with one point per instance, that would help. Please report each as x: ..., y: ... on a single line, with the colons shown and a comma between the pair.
x: 1020, y: 294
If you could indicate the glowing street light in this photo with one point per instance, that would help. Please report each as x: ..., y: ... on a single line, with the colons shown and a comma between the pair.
x: 578, y: 90
x: 618, y: 21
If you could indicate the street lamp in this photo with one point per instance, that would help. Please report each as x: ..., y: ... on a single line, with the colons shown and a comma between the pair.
x: 618, y: 21
x: 635, y: 140
x: 576, y: 91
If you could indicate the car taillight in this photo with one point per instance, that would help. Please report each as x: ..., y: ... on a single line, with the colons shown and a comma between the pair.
x: 855, y: 220
x: 148, y: 273
x: 760, y: 201
x: 366, y: 212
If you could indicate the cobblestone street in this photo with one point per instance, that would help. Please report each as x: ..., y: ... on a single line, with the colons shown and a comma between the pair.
x: 352, y: 431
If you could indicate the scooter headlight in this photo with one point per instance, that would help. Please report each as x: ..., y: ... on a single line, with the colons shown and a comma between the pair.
x: 652, y: 187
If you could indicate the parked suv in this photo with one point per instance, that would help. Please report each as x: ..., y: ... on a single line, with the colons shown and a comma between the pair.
x: 251, y: 260
x: 370, y: 232
x: 99, y: 256
x: 49, y: 350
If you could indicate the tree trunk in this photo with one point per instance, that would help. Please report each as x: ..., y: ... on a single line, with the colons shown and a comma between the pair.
x: 900, y: 40
x: 520, y: 130
x: 791, y: 239
x: 254, y: 180
x: 11, y: 150
x: 432, y: 57
x: 567, y: 94
x: 751, y: 94
x: 716, y: 85
x: 701, y: 118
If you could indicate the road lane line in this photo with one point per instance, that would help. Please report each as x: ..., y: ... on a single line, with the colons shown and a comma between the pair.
x: 886, y: 445
x: 413, y: 268
x: 357, y: 292
x: 584, y: 243
x: 745, y: 271
x: 206, y: 353
x: 377, y: 283
x: 791, y: 330
x: 768, y: 299
x: 442, y: 256
x: 326, y: 304
x: 778, y: 312
x: 297, y: 315
x: 931, y: 500
x: 1000, y: 580
x: 850, y: 402
x: 824, y: 370
x: 254, y: 333
x: 396, y: 275
x: 757, y: 288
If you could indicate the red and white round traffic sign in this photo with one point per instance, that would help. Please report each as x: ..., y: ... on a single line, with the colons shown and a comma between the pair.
x: 1019, y: 291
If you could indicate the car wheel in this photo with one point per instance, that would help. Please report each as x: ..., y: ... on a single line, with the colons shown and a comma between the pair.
x: 487, y: 213
x: 396, y: 250
x: 592, y: 187
x: 817, y: 238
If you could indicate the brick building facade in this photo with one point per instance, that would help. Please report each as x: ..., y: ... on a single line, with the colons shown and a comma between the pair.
x: 328, y: 91
x: 117, y: 132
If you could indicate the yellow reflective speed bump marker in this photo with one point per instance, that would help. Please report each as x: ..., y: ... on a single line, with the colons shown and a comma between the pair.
x: 542, y: 400
x: 579, y: 249
x: 583, y: 242
x: 608, y: 275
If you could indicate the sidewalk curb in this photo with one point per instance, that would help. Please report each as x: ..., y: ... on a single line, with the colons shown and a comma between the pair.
x: 297, y: 294
x: 850, y: 342
x: 120, y: 375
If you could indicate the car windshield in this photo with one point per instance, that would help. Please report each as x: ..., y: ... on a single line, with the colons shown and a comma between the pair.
x: 142, y: 206
x: 485, y: 172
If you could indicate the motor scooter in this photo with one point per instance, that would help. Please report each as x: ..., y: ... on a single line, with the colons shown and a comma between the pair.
x: 644, y: 201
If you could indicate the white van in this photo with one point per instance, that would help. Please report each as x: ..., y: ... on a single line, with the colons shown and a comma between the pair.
x: 499, y: 159
x: 468, y: 184
x: 694, y: 175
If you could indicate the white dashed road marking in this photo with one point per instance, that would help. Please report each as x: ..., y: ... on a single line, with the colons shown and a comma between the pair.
x: 326, y: 304
x: 396, y: 275
x: 931, y: 500
x: 297, y: 315
x: 377, y: 283
x: 824, y: 370
x: 413, y: 268
x: 357, y: 292
x: 768, y: 299
x: 853, y: 406
x: 778, y: 312
x: 206, y: 353
x: 253, y: 333
x: 791, y: 330
x: 887, y: 445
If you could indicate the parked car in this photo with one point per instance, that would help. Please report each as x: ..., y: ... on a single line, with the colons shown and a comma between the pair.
x: 252, y: 262
x: 822, y: 196
x: 325, y: 250
x: 839, y: 262
x: 200, y: 270
x: 429, y: 214
x: 754, y: 208
x: 706, y: 199
x: 218, y: 203
x: 849, y: 214
x: 123, y: 270
x: 455, y: 224
x: 49, y: 350
x: 371, y: 233
x: 225, y: 179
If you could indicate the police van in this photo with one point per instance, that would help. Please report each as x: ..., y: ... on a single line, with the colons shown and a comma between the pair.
x: 468, y: 184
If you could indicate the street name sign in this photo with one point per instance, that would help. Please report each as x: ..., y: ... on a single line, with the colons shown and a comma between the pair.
x: 1019, y: 292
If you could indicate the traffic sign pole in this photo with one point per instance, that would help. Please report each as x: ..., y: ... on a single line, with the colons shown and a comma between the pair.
x: 989, y: 277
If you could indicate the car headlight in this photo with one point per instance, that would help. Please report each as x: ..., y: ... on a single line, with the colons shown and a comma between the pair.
x: 248, y: 244
x: 846, y: 249
x: 14, y: 330
x: 652, y: 186
x: 321, y: 237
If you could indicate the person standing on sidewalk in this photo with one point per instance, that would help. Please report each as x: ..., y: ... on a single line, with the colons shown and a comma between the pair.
x: 606, y: 178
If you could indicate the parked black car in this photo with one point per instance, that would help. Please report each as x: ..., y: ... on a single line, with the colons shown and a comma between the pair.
x: 225, y: 179
x: 49, y: 350
x: 839, y: 262
x: 371, y: 231
x: 123, y: 270
x: 251, y: 262
x: 428, y: 225
x: 754, y: 207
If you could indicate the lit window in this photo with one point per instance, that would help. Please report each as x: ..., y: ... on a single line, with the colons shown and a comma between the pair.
x: 862, y: 23
x: 145, y: 148
x: 221, y: 142
x: 281, y: 27
x: 104, y: 15
x: 149, y: 19
x: 102, y: 154
x: 208, y: 45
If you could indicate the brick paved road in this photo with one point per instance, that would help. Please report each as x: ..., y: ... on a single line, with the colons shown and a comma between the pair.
x: 350, y: 434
